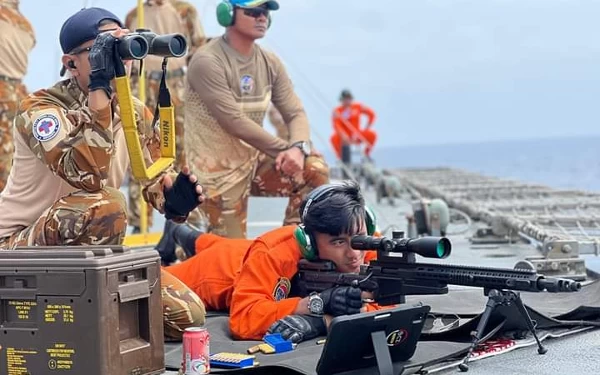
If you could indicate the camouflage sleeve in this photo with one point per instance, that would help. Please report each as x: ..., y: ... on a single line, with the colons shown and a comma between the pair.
x: 152, y: 190
x: 76, y: 145
x: 288, y: 103
x: 189, y: 15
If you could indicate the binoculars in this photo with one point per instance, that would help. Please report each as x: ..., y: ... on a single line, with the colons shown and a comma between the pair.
x: 143, y: 42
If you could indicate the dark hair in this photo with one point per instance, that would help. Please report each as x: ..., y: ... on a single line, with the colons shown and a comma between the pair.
x: 339, y: 211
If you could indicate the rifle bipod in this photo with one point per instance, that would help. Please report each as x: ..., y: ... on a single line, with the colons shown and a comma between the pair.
x: 500, y: 298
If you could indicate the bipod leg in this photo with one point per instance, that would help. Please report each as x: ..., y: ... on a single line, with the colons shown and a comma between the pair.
x: 494, y: 298
x: 529, y: 322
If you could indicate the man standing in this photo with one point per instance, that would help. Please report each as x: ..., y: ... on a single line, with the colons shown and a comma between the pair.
x: 346, y: 125
x: 232, y: 81
x: 71, y: 158
x: 164, y: 17
x: 17, y: 39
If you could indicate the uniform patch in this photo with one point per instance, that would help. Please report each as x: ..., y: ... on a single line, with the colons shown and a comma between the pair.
x: 247, y: 84
x: 46, y: 127
x: 282, y: 289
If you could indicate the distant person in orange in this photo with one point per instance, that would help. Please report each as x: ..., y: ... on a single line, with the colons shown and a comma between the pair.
x: 346, y: 125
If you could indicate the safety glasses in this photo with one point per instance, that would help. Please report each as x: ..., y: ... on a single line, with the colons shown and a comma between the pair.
x: 256, y: 12
x: 80, y: 51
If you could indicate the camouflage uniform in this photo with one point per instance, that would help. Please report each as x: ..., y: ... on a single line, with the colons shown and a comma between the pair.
x: 182, y: 308
x: 80, y: 157
x: 11, y: 92
x: 16, y: 32
x: 83, y: 164
x: 228, y: 211
x: 227, y: 99
x: 191, y: 28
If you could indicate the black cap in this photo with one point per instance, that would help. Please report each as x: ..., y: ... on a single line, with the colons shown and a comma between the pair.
x: 83, y: 26
x: 346, y: 94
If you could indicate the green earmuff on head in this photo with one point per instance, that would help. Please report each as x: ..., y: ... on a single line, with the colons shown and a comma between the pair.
x: 306, y: 241
x: 370, y: 220
x: 226, y: 14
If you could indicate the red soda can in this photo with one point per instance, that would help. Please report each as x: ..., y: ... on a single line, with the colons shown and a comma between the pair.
x: 196, y: 351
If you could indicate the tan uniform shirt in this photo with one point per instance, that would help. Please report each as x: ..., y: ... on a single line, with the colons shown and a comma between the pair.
x: 167, y: 17
x: 17, y: 39
x: 280, y: 126
x: 62, y: 146
x: 226, y: 102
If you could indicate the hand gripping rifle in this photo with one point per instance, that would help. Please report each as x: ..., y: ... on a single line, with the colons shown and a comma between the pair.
x: 396, y: 274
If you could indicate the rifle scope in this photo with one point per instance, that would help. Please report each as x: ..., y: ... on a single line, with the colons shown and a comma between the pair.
x: 429, y: 247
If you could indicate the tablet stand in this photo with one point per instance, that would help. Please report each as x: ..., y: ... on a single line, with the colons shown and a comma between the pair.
x: 382, y: 354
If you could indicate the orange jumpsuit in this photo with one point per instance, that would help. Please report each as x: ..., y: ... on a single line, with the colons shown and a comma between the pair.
x: 346, y: 121
x: 250, y: 278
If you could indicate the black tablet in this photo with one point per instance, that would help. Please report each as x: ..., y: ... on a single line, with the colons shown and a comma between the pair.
x: 350, y: 342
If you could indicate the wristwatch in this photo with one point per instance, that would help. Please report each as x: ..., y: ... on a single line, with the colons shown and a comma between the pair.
x: 304, y: 146
x: 315, y: 303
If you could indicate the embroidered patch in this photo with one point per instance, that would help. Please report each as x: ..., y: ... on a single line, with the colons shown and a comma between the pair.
x: 247, y: 84
x: 282, y: 289
x: 46, y: 127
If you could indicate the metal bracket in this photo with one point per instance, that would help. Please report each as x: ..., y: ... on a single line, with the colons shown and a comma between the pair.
x: 560, y: 259
x: 559, y: 249
x: 571, y: 268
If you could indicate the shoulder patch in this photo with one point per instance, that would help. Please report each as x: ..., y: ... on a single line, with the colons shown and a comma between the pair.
x: 282, y: 289
x: 46, y: 127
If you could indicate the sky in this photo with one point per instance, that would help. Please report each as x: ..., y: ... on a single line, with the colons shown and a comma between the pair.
x: 434, y: 71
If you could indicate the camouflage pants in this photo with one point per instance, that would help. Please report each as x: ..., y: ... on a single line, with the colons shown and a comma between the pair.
x: 176, y: 87
x: 83, y: 218
x: 80, y: 218
x: 10, y: 95
x: 227, y: 213
x: 182, y: 308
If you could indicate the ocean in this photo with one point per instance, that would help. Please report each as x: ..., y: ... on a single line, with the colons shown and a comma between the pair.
x: 562, y: 163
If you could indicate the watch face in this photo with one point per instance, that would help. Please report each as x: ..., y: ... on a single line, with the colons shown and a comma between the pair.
x: 305, y: 148
x: 316, y: 305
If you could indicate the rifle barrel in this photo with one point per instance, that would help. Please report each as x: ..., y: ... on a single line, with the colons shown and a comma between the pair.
x: 482, y: 277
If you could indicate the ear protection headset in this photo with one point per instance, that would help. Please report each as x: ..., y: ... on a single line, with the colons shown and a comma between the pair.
x: 306, y: 241
x: 226, y: 14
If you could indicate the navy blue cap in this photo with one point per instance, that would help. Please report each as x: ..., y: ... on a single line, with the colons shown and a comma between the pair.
x: 83, y: 26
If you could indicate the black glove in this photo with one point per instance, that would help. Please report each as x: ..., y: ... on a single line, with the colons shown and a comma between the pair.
x: 181, y: 198
x: 102, y: 63
x: 297, y: 328
x: 341, y: 300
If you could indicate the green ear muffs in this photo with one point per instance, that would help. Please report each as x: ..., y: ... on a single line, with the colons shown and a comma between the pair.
x: 225, y: 13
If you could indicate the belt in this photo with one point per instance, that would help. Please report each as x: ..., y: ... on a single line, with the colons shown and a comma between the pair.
x: 156, y: 75
x: 9, y: 79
